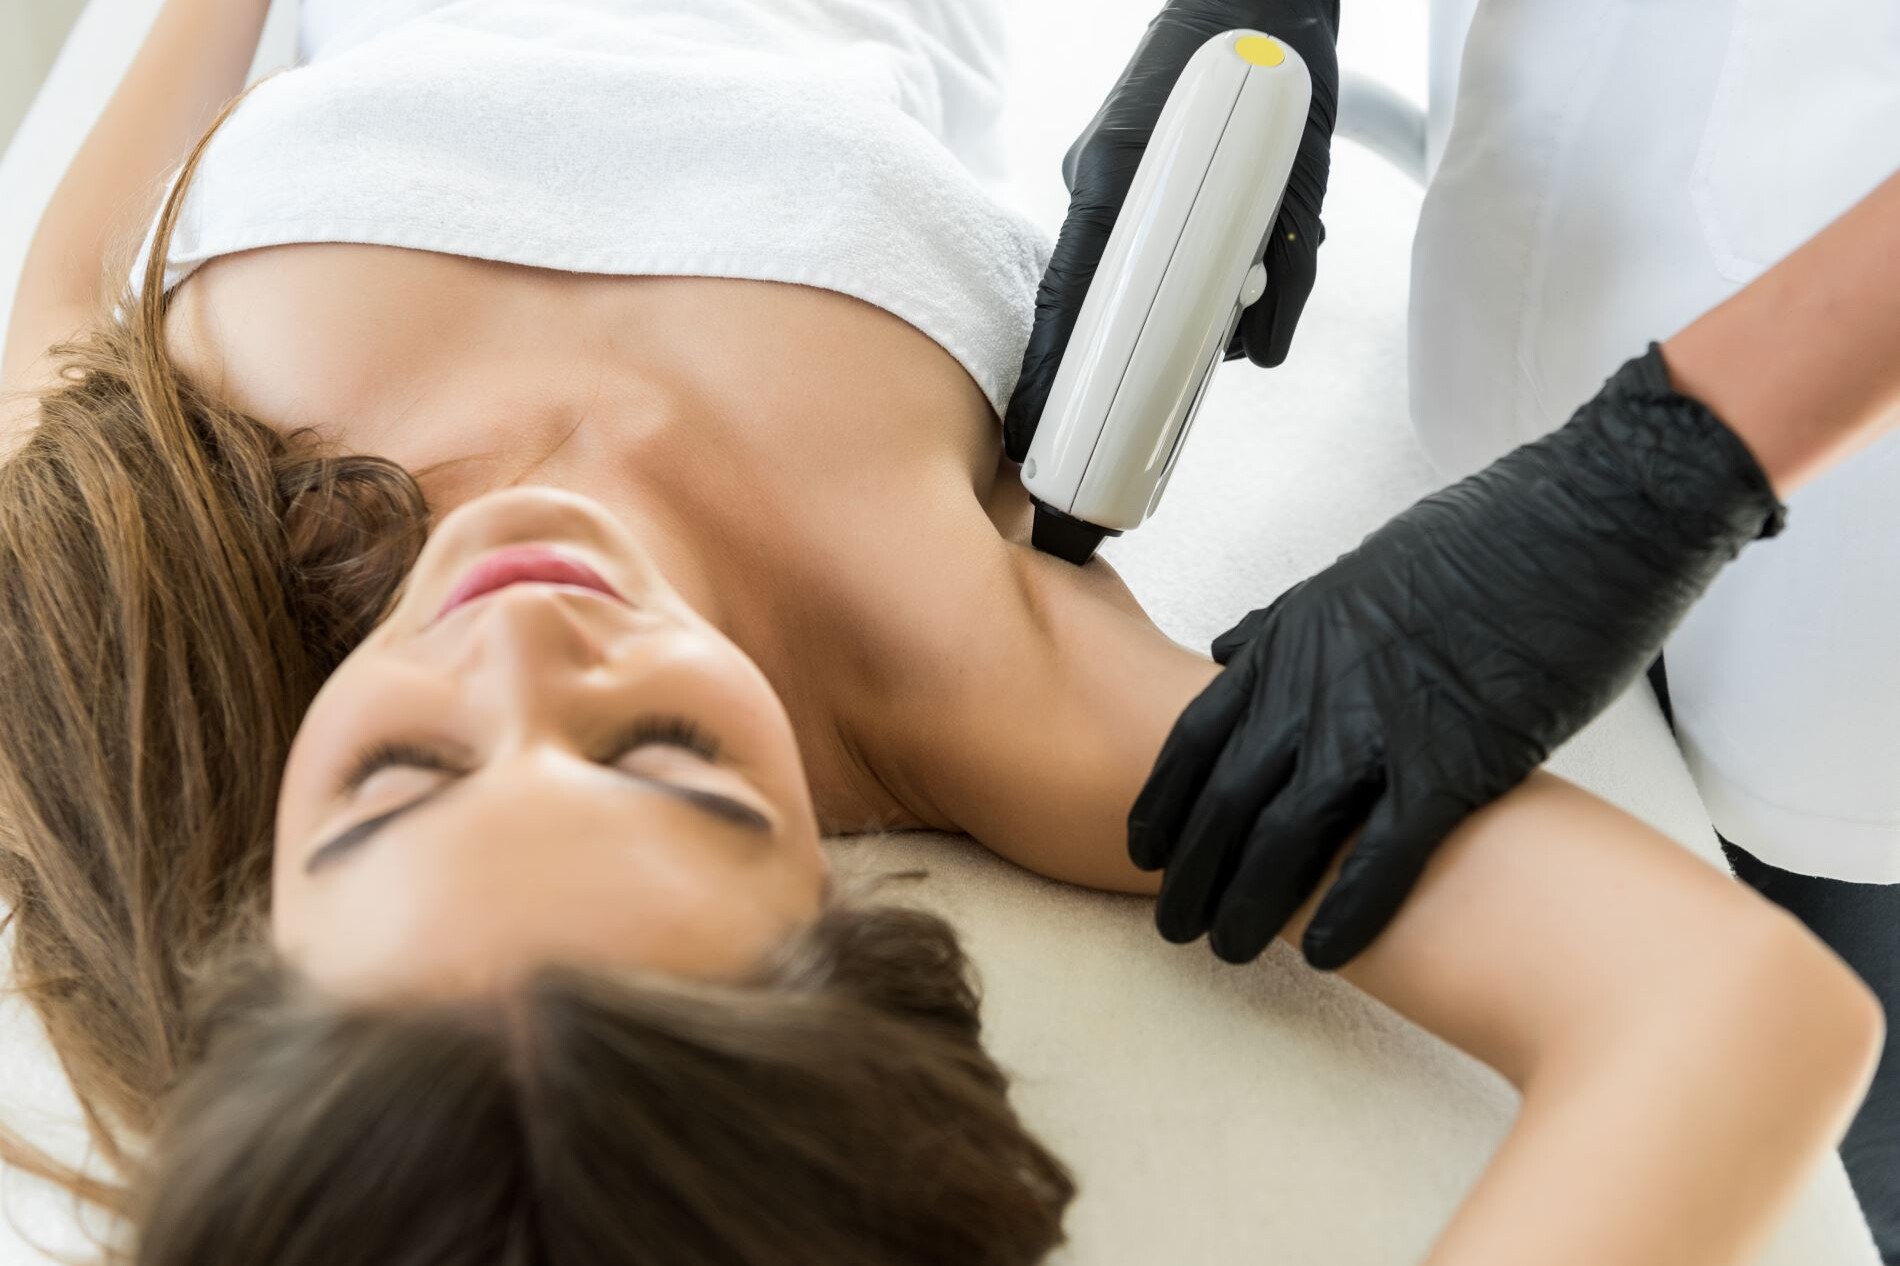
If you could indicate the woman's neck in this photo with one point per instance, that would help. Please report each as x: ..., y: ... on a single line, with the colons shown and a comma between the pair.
x: 784, y: 599
x: 627, y: 480
x: 938, y: 672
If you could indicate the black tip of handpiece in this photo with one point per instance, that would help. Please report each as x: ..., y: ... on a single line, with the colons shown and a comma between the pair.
x: 1068, y: 538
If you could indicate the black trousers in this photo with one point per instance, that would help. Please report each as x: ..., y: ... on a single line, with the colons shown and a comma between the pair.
x: 1862, y: 924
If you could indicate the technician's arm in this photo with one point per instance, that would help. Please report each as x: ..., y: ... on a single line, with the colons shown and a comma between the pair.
x: 1804, y: 363
x: 193, y: 61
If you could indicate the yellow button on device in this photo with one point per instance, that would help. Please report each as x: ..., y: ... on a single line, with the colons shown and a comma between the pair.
x: 1260, y: 50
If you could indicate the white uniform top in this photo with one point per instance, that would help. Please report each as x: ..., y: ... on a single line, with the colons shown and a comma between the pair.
x: 1612, y: 172
x: 845, y: 144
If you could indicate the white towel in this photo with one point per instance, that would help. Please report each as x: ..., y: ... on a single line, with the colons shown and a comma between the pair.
x: 846, y: 144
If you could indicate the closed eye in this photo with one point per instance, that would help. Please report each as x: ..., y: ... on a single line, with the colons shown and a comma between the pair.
x: 665, y: 730
x: 400, y: 754
x: 676, y: 732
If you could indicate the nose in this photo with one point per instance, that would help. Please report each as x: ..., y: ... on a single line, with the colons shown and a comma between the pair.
x: 527, y: 644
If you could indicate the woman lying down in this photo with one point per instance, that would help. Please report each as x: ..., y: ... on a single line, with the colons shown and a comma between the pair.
x: 478, y: 624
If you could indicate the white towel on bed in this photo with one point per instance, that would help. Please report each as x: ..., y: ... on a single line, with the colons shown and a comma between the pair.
x: 845, y: 144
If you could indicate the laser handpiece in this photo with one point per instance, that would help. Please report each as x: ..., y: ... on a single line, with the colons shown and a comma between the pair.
x: 1182, y: 263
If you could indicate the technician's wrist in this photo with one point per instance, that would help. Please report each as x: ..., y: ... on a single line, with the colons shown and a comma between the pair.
x: 1686, y: 460
x: 1641, y: 499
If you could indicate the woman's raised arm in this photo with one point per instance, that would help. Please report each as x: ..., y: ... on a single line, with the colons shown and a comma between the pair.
x: 1687, y: 1053
x: 193, y: 61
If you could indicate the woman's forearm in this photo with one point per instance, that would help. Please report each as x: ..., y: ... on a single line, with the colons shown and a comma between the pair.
x: 1682, y: 1134
x: 194, y: 59
x: 1804, y: 362
x: 1687, y: 1054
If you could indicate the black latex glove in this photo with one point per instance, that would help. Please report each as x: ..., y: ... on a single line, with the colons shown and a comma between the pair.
x: 1428, y: 671
x: 1101, y: 165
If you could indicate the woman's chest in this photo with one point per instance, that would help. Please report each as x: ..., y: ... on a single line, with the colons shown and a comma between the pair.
x: 427, y: 358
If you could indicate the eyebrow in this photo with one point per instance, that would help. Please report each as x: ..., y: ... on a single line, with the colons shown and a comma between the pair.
x: 723, y: 807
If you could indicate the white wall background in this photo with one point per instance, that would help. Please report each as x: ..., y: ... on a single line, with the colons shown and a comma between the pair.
x: 1383, y: 39
x: 30, y: 35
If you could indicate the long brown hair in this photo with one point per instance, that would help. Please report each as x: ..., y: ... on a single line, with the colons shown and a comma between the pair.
x: 835, y: 1110
x: 177, y: 579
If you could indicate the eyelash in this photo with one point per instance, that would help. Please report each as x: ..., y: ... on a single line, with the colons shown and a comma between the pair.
x: 670, y: 731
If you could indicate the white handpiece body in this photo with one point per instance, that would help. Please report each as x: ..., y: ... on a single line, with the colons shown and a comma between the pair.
x: 1182, y: 262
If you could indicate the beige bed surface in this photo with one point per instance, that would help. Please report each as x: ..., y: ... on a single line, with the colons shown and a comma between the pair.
x: 1214, y: 1114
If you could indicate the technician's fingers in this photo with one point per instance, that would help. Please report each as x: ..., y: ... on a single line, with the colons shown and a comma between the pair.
x: 1072, y: 158
x: 1255, y: 623
x: 1056, y: 314
x: 1378, y: 873
x: 1250, y: 772
x: 1292, y: 259
x: 1292, y: 844
x: 1188, y: 756
x: 1059, y: 298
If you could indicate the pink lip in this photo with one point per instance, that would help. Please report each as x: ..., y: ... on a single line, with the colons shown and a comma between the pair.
x: 524, y: 564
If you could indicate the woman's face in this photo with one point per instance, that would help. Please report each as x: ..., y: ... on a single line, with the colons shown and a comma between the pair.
x: 541, y: 773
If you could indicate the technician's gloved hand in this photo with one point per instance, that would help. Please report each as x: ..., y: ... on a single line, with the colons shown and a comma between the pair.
x: 1101, y: 165
x: 1429, y: 670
